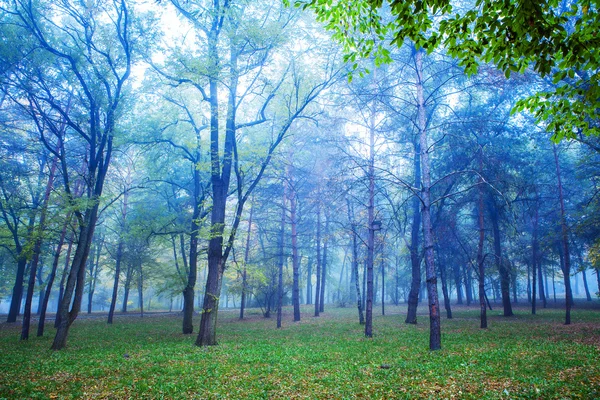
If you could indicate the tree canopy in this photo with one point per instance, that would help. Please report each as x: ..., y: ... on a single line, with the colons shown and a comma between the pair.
x: 558, y: 39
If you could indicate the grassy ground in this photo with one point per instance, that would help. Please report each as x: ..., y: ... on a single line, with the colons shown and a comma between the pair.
x: 520, y: 357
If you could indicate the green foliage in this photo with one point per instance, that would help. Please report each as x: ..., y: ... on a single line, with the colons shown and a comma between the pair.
x: 556, y: 41
x: 522, y: 357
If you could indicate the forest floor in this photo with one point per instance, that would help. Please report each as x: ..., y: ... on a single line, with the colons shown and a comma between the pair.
x: 523, y: 356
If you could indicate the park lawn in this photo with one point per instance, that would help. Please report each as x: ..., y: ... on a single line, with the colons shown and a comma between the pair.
x: 327, y: 357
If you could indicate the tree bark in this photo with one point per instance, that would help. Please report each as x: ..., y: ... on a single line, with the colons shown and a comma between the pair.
x: 246, y: 259
x: 188, y: 292
x: 535, y: 256
x: 371, y: 237
x: 355, y: 274
x: 220, y: 179
x: 445, y: 291
x: 480, y: 258
x: 309, y: 281
x: 415, y: 259
x: 324, y: 266
x: 63, y: 279
x: 128, y: 276
x: 76, y: 279
x: 295, y: 259
x: 281, y: 260
x: 318, y: 272
x: 115, y: 292
x: 94, y: 270
x: 565, y: 243
x: 382, y: 286
x: 50, y: 282
x: 435, y: 339
x: 499, y: 260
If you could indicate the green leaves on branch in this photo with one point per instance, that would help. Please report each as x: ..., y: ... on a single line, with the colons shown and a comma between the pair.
x: 554, y: 40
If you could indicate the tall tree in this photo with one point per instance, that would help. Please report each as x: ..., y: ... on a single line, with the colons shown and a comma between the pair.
x: 98, y: 82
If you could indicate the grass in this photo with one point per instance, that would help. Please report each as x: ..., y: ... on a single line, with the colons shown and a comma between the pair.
x: 327, y: 357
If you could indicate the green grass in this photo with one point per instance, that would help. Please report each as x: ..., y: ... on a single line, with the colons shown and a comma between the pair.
x: 520, y: 357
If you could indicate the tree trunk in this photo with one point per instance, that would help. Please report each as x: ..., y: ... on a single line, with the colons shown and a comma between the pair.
x: 281, y: 260
x: 480, y: 258
x: 50, y: 282
x: 63, y: 279
x: 128, y: 276
x: 565, y: 244
x: 415, y: 259
x: 17, y: 292
x: 95, y: 268
x: 220, y: 178
x: 141, y: 289
x: 457, y: 282
x: 76, y: 278
x: 355, y: 274
x: 318, y: 272
x: 295, y: 259
x: 324, y: 266
x: 382, y: 287
x: 535, y: 256
x: 188, y: 292
x: 371, y: 237
x: 309, y: 281
x: 447, y: 306
x: 468, y: 276
x: 246, y: 259
x: 501, y: 264
x: 39, y: 231
x: 435, y: 342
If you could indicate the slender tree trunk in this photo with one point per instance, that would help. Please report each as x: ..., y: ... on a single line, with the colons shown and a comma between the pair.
x: 76, y: 278
x: 141, y: 289
x: 41, y: 289
x: 188, y: 292
x: 480, y: 258
x: 118, y: 258
x: 324, y: 266
x: 458, y: 282
x: 447, y: 306
x: 371, y: 237
x: 220, y: 179
x: 543, y: 296
x: 468, y: 284
x: 415, y: 259
x: 128, y: 276
x: 295, y: 259
x: 39, y: 231
x: 51, y: 277
x: 435, y: 340
x: 63, y: 280
x: 588, y: 296
x: 95, y: 268
x: 246, y: 259
x: 382, y: 287
x: 501, y: 264
x: 513, y: 277
x: 113, y: 301
x: 528, y: 282
x: 281, y: 260
x: 535, y: 256
x: 565, y: 243
x: 355, y: 274
x: 309, y: 281
x: 318, y: 272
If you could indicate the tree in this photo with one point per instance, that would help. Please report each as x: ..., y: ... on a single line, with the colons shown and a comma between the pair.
x: 555, y: 38
x: 90, y: 107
